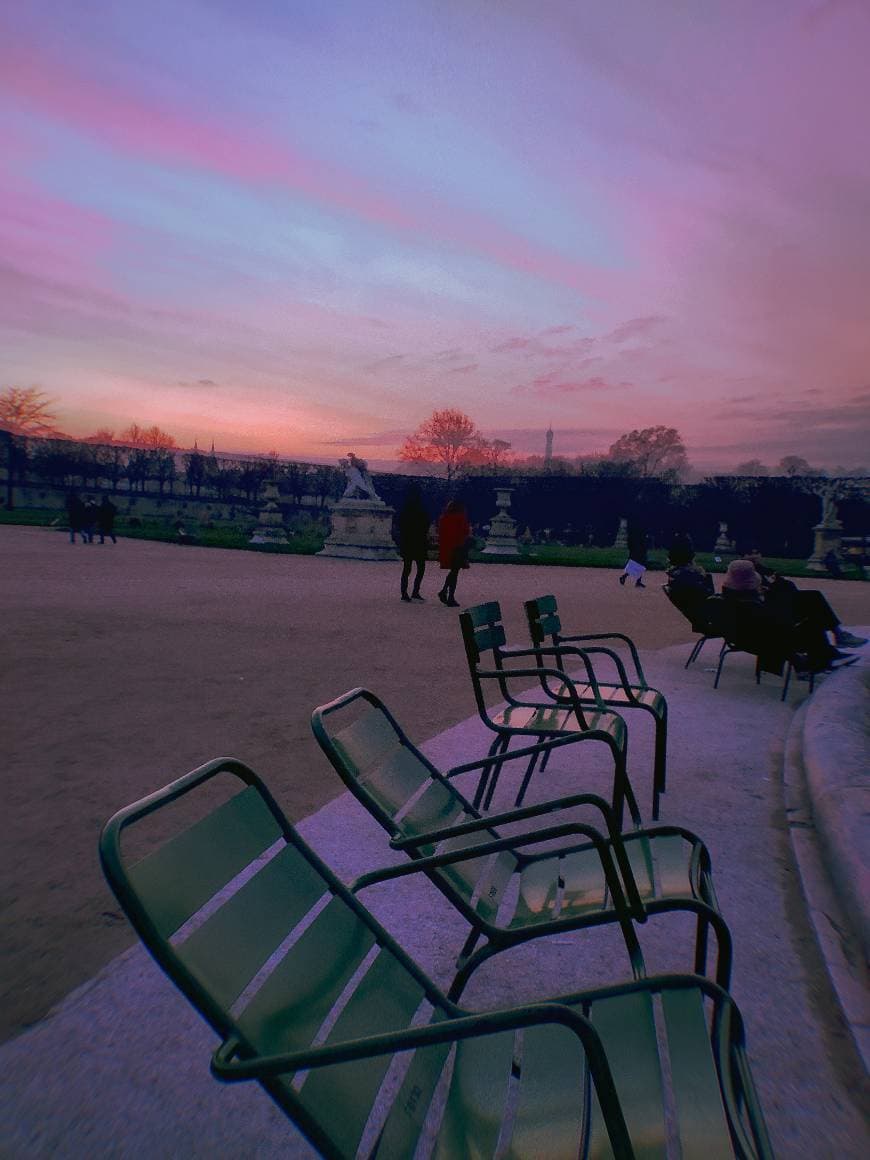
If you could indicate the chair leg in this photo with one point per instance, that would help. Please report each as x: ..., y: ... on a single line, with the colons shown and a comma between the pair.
x: 533, y: 761
x: 701, y: 945
x: 696, y: 650
x: 504, y: 742
x: 786, y: 680
x: 622, y: 791
x: 723, y: 653
x: 660, y: 763
x: 758, y: 670
x: 489, y: 772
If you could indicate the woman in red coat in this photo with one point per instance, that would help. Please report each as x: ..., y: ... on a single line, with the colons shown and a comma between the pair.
x: 454, y: 533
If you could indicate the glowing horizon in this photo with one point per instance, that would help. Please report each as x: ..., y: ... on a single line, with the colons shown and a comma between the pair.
x: 304, y: 227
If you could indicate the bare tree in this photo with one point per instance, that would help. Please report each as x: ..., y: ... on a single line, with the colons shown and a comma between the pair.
x: 793, y: 465
x: 151, y: 438
x: 751, y: 467
x: 27, y: 411
x: 448, y: 439
x: 654, y: 451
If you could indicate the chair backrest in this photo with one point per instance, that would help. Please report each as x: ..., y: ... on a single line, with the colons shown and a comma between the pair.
x: 408, y: 796
x: 695, y: 604
x: 483, y: 632
x: 542, y: 615
x: 268, y: 944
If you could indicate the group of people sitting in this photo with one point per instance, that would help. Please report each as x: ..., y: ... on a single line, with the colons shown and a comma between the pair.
x: 758, y: 608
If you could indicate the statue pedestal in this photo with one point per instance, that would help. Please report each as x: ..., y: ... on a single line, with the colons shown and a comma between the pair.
x: 502, y: 537
x: 621, y: 540
x: 827, y: 537
x: 361, y: 530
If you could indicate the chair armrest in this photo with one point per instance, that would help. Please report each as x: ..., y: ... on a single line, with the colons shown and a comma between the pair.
x: 634, y: 906
x: 560, y: 651
x: 618, y: 664
x: 505, y: 818
x: 504, y: 674
x: 615, y: 838
x: 632, y: 648
x: 227, y: 1066
x: 526, y: 751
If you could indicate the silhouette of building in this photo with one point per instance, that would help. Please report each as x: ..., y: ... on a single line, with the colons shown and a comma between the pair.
x: 548, y: 452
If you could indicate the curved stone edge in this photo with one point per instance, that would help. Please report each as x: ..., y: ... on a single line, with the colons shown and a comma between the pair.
x: 830, y: 875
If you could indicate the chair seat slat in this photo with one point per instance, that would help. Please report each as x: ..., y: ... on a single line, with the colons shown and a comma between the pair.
x: 291, y: 1006
x: 552, y: 1104
x: 384, y: 1000
x: 233, y: 943
x: 702, y: 1124
x: 188, y: 870
x: 627, y: 1029
x: 476, y: 1101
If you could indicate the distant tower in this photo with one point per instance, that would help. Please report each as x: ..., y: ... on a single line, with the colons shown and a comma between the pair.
x: 548, y: 453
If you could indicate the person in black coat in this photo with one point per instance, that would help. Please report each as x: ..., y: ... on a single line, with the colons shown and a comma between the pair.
x: 106, y: 513
x: 414, y: 521
x: 637, y: 555
x: 75, y: 512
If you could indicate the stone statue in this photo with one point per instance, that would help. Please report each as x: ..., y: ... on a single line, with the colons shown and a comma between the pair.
x: 358, y: 478
x: 829, y: 507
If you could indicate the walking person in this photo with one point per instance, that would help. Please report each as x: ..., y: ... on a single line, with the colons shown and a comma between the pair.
x: 106, y: 513
x: 414, y: 521
x: 89, y: 518
x: 454, y: 534
x: 636, y: 564
x: 75, y: 514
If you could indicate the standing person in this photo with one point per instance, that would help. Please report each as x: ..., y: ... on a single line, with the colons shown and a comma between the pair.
x: 454, y: 533
x: 89, y: 518
x: 636, y: 564
x: 414, y: 521
x: 106, y: 513
x: 75, y: 513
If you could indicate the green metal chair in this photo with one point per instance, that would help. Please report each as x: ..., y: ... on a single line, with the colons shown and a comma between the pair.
x: 483, y: 633
x: 627, y: 692
x: 361, y: 1049
x: 522, y: 894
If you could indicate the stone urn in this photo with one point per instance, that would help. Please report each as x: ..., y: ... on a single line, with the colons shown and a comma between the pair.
x: 270, y: 523
x: 501, y: 539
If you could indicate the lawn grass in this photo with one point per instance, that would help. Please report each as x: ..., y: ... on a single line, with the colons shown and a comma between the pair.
x: 308, y: 539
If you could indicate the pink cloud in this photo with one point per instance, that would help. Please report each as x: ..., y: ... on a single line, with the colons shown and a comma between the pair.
x: 635, y: 328
x: 560, y: 382
x: 39, y: 80
x: 51, y: 237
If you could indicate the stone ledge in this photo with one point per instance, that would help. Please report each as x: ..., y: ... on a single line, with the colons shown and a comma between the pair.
x: 818, y: 767
x: 835, y: 758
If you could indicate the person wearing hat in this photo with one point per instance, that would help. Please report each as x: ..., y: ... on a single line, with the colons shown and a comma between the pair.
x: 773, y: 627
x: 801, y: 603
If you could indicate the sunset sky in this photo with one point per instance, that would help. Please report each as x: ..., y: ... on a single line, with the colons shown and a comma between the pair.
x: 304, y: 224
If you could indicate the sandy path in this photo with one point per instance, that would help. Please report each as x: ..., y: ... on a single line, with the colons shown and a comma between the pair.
x: 125, y: 666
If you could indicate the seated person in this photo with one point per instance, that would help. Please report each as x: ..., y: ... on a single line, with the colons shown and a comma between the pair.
x: 684, y: 574
x: 795, y: 603
x: 769, y: 624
